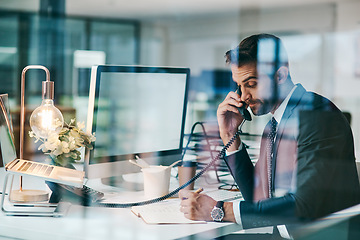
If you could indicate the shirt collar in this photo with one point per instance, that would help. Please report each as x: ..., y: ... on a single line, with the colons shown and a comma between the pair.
x: 279, y: 112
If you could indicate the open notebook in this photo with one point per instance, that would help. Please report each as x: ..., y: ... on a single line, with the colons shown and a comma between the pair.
x: 165, y: 212
x: 168, y: 211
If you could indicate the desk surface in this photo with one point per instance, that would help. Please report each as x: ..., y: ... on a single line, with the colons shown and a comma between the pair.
x: 101, y: 223
x: 104, y: 223
x: 114, y: 223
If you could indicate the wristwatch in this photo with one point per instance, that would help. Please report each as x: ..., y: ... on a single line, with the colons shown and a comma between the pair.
x: 217, y: 213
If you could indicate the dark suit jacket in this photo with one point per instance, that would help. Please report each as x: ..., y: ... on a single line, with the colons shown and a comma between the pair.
x: 313, y: 161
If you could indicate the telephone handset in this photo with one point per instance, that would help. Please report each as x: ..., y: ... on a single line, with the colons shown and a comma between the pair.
x: 247, y: 117
x: 243, y: 111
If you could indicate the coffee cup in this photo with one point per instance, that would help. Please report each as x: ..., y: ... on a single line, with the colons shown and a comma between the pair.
x: 156, y: 181
x: 187, y: 171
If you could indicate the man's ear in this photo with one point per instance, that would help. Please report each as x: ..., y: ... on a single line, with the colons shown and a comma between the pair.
x: 282, y: 74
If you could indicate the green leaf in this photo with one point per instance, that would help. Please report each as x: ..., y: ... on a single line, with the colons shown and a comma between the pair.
x: 89, y: 146
x: 77, y: 152
x: 64, y: 138
x: 73, y: 155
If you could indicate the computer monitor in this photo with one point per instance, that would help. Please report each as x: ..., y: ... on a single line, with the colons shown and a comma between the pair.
x: 135, y: 110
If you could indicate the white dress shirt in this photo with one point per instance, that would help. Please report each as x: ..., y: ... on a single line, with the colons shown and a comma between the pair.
x: 278, y: 114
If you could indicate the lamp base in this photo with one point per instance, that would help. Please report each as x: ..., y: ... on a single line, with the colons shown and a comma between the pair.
x: 29, y: 196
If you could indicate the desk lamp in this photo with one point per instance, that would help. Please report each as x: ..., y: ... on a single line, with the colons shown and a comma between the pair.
x: 44, y: 119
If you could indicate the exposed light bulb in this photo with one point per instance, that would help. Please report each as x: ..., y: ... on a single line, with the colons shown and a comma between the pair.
x: 46, y: 119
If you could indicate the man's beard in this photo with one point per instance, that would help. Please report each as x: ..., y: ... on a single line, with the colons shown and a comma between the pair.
x: 261, y: 107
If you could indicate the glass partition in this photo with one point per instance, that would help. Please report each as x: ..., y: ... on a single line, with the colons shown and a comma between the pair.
x: 68, y: 47
x: 322, y: 39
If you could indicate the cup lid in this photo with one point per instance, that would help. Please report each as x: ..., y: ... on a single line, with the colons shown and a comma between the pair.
x: 189, y: 164
x: 154, y: 168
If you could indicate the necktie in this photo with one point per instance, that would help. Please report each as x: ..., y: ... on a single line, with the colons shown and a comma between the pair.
x: 270, y: 150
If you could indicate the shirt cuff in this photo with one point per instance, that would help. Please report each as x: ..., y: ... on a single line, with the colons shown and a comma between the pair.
x: 233, y: 152
x: 237, y: 214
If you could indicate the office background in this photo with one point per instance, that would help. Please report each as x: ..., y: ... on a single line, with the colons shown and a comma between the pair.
x: 322, y: 38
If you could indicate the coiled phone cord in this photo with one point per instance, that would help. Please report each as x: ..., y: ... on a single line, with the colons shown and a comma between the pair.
x: 221, y: 154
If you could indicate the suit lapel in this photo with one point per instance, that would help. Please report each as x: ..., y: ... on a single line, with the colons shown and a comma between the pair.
x: 293, y: 102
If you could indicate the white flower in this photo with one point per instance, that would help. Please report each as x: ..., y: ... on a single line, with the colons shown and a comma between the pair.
x: 53, y: 137
x: 51, y: 146
x: 92, y: 137
x: 57, y: 151
x: 65, y: 147
x: 32, y: 134
x: 66, y: 142
x: 43, y: 148
x: 81, y: 125
x: 58, y: 123
x: 74, y: 134
x: 72, y: 143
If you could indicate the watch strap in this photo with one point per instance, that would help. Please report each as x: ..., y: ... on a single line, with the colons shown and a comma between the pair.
x: 220, y: 204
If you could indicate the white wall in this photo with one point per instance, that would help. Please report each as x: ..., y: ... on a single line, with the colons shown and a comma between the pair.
x: 200, y: 42
x: 195, y: 42
x: 347, y: 64
x: 320, y: 39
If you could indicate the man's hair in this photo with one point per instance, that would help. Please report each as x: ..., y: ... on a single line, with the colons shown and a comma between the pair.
x: 259, y: 49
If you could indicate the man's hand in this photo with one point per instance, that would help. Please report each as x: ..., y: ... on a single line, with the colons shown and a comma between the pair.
x: 196, y: 206
x: 229, y: 118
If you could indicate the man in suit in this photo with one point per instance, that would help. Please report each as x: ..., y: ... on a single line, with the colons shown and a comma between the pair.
x: 306, y: 166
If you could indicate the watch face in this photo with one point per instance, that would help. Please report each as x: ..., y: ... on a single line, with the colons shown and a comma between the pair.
x: 217, y: 214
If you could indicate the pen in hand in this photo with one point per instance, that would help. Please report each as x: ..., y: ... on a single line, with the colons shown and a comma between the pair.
x: 199, y: 190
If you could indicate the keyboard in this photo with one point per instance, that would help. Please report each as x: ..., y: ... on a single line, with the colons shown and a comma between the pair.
x: 85, y: 195
x: 88, y: 194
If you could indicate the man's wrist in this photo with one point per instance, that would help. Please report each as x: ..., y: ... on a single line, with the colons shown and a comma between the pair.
x: 228, y: 212
x: 226, y: 136
x: 234, y: 146
x: 228, y: 153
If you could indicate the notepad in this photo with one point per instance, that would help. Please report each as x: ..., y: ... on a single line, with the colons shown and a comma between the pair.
x: 165, y: 212
x: 168, y: 211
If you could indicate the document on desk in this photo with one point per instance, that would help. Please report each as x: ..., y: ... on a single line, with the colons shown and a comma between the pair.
x: 168, y: 211
x: 164, y: 212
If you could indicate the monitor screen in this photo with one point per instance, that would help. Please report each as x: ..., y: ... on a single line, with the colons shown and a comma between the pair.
x: 135, y: 110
